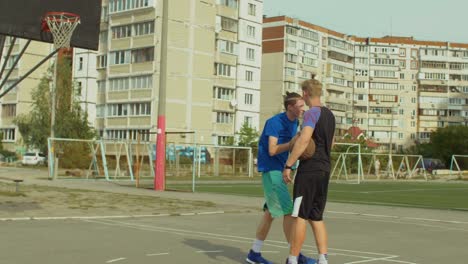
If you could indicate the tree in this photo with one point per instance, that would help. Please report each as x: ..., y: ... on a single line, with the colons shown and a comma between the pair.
x: 71, y: 121
x: 248, y: 136
x: 448, y: 141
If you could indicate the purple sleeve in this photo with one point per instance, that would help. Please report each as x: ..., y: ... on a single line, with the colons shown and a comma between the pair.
x: 311, y: 117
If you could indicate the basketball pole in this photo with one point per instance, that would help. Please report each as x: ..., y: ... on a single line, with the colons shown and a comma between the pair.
x: 160, y: 161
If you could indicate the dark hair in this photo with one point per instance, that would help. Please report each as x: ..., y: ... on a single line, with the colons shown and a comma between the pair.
x: 291, y: 99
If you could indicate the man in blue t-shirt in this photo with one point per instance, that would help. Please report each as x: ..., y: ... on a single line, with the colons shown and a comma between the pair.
x: 273, y: 150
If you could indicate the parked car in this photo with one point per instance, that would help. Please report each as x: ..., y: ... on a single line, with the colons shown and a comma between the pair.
x: 431, y: 164
x: 34, y: 158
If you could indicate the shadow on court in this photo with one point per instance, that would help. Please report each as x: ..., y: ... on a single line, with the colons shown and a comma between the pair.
x: 216, y: 251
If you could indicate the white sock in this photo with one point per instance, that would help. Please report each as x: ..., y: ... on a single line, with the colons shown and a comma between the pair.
x: 292, y: 259
x: 257, y: 245
x: 323, y: 259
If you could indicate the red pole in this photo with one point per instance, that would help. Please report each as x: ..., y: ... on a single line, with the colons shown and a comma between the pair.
x: 160, y: 162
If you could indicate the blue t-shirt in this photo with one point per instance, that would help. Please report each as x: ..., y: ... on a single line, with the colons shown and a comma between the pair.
x: 280, y: 127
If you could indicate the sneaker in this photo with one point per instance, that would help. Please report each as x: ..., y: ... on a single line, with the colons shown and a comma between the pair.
x: 301, y: 259
x: 256, y: 258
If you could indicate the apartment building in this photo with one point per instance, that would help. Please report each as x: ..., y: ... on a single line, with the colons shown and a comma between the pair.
x: 85, y: 85
x: 214, y: 61
x: 18, y: 100
x: 397, y: 89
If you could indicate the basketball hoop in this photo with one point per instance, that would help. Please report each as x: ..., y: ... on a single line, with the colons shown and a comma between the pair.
x: 61, y: 25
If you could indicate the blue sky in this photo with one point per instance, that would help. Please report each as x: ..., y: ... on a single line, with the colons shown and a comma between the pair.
x: 438, y: 20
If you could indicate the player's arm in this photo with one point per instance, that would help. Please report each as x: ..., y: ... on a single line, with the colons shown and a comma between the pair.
x: 301, y: 144
x: 275, y: 148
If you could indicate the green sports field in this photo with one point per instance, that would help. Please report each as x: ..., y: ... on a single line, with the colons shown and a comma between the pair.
x: 452, y: 196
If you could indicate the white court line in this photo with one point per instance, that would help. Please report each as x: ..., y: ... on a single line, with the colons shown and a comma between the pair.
x: 413, y: 190
x: 105, y: 216
x: 224, y: 237
x: 156, y: 254
x: 399, y: 217
x: 115, y: 260
x: 209, y: 251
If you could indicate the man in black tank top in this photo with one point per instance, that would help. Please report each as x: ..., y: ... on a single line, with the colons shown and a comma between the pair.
x: 313, y: 175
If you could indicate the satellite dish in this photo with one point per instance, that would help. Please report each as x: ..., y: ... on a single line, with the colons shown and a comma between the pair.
x: 233, y: 102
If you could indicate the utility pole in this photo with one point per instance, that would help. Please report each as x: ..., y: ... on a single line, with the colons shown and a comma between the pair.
x: 160, y: 162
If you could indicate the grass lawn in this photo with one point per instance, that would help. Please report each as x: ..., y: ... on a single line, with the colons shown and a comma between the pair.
x: 452, y: 196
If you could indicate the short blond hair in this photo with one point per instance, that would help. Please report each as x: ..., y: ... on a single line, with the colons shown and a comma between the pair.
x: 312, y: 87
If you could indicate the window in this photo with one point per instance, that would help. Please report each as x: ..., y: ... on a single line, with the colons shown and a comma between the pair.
x: 291, y: 30
x: 413, y: 123
x: 224, y: 118
x: 360, y: 72
x: 292, y: 44
x: 8, y: 84
x: 8, y: 110
x: 223, y: 69
x: 414, y: 53
x: 227, y: 46
x: 144, y: 28
x: 309, y: 61
x: 80, y: 63
x: 101, y: 61
x: 384, y: 86
x: 228, y: 3
x: 123, y: 5
x: 413, y: 100
x: 402, y: 52
x: 140, y: 109
x: 251, y: 31
x: 11, y: 61
x: 223, y: 93
x: 403, y: 64
x: 249, y: 76
x: 119, y: 84
x: 360, y: 84
x: 79, y: 87
x: 290, y: 71
x: 402, y: 76
x: 384, y: 74
x: 143, y: 55
x: 291, y: 58
x: 122, y: 32
x: 8, y: 134
x: 142, y: 82
x: 120, y: 57
x: 414, y: 64
x: 413, y: 88
x: 229, y: 24
x: 248, y: 99
x: 250, y: 54
x: 248, y: 121
x: 252, y: 9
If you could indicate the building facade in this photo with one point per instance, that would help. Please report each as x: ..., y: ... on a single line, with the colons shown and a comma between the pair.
x: 397, y: 89
x: 18, y: 100
x: 210, y: 52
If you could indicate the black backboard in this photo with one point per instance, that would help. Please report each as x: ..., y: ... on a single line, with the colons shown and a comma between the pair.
x: 22, y: 18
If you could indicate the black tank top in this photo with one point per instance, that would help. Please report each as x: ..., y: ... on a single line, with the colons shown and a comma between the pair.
x: 323, y: 137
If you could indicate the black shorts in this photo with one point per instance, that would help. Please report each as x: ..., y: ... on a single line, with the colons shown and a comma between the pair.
x: 310, y: 194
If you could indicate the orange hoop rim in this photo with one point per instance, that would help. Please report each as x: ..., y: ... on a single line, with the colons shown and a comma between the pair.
x: 51, y: 16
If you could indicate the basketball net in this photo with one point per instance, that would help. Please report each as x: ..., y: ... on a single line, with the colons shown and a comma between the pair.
x: 61, y: 25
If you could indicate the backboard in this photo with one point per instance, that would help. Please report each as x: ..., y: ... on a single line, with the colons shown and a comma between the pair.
x: 22, y: 18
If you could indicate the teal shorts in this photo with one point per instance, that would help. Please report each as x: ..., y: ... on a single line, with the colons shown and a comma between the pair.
x: 277, y: 198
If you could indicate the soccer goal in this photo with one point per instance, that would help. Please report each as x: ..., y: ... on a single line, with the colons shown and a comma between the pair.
x: 459, y: 166
x: 77, y: 159
x: 347, y: 163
